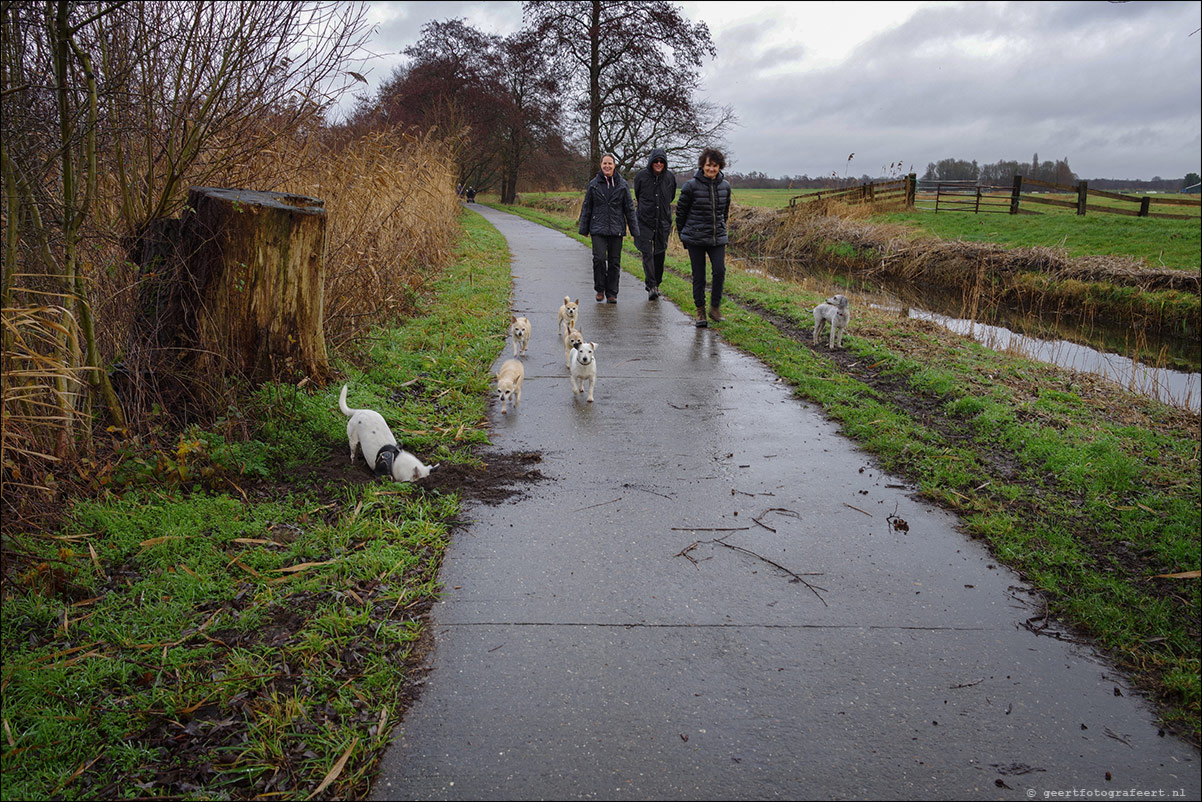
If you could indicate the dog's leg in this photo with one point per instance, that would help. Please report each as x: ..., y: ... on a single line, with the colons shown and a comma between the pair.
x: 592, y: 384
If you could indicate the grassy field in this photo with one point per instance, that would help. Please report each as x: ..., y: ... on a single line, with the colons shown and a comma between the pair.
x: 1089, y: 492
x: 226, y: 620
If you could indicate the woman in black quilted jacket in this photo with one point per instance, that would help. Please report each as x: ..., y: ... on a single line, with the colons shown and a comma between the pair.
x: 604, y: 215
x: 701, y: 213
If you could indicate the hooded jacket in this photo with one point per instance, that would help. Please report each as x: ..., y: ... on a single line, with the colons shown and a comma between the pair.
x: 702, y: 210
x: 607, y: 208
x: 653, y: 194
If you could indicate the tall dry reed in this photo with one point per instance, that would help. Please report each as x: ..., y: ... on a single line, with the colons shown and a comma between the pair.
x: 392, y: 224
x: 392, y: 215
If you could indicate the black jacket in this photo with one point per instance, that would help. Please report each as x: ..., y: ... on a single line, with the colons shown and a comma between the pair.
x: 653, y: 195
x: 702, y: 209
x: 607, y: 208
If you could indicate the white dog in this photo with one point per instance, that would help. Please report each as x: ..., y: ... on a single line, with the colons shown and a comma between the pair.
x: 584, y: 369
x: 509, y: 383
x: 367, y: 432
x: 567, y: 314
x: 520, y: 329
x: 835, y: 312
x: 571, y: 341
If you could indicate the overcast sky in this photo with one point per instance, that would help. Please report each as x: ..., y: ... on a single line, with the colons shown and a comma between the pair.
x: 1116, y: 88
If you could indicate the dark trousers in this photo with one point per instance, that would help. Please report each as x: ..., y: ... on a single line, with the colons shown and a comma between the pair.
x: 717, y: 255
x: 653, y: 267
x: 607, y: 264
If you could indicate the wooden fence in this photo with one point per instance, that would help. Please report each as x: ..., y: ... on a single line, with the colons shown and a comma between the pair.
x: 901, y: 189
x: 969, y: 196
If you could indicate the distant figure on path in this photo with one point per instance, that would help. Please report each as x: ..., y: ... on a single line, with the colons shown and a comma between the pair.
x: 606, y: 212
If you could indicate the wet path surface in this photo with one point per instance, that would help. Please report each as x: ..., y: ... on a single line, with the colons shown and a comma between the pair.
x: 583, y: 650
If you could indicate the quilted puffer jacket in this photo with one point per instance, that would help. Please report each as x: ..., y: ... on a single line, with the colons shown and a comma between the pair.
x: 702, y: 209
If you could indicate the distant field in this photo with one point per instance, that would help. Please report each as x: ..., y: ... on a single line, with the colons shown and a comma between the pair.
x: 1161, y: 243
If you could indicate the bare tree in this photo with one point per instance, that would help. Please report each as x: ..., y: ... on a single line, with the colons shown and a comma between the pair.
x: 633, y: 67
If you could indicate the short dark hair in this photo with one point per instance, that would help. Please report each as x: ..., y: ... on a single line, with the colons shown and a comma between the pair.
x: 712, y: 155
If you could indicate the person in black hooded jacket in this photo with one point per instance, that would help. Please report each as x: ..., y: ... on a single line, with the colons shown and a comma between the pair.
x: 701, y: 222
x: 654, y: 191
x: 604, y: 215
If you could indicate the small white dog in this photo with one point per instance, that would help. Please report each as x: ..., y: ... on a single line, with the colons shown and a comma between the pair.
x: 509, y: 383
x: 584, y: 369
x: 367, y: 432
x: 567, y: 314
x: 520, y: 329
x: 571, y: 341
x: 834, y: 312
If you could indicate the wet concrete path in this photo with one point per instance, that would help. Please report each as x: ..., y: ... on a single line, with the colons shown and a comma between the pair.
x: 583, y: 650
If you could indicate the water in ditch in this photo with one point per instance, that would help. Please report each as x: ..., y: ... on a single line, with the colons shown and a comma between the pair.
x: 1168, y: 368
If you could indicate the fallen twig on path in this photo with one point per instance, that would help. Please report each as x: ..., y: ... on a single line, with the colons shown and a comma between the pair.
x: 722, y: 542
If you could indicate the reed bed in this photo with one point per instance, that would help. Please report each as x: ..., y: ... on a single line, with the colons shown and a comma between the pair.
x: 391, y: 226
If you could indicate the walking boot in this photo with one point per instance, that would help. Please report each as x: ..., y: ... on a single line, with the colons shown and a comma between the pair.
x: 699, y: 321
x: 715, y: 315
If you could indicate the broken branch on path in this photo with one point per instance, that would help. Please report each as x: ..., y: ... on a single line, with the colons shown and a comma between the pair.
x: 722, y: 542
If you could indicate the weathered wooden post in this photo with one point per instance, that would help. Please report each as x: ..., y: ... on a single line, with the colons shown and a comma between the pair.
x: 1082, y: 196
x: 1016, y: 194
x: 1145, y: 205
x: 911, y: 189
x: 253, y: 273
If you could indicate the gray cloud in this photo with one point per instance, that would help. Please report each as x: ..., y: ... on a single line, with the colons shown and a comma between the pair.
x: 1114, y: 87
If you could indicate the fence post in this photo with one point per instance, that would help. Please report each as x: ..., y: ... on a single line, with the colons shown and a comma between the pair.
x: 1144, y: 203
x: 977, y: 208
x: 911, y: 189
x: 1016, y: 194
x: 1082, y: 195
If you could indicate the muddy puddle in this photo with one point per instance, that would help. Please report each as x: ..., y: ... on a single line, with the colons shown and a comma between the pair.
x: 1166, y: 368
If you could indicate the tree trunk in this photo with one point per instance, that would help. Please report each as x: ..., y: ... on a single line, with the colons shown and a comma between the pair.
x: 254, y: 276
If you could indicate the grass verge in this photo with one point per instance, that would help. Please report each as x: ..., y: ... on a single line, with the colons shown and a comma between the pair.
x: 244, y: 620
x: 1091, y: 493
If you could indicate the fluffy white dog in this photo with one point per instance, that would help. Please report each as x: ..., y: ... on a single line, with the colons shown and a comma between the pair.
x: 834, y: 312
x: 367, y: 432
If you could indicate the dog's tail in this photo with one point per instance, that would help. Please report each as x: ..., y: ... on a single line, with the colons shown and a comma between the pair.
x: 342, y: 403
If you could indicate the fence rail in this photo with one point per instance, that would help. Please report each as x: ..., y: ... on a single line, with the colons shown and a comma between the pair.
x: 969, y: 196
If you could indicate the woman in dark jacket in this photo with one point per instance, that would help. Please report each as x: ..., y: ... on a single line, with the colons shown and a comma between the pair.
x: 701, y: 220
x: 654, y: 191
x: 604, y: 215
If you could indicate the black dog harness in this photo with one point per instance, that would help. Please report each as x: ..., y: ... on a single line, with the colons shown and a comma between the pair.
x: 384, y: 460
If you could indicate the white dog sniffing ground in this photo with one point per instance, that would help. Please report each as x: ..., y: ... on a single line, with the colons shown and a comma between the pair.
x: 369, y: 433
x: 567, y: 314
x: 520, y: 329
x: 835, y: 312
x: 584, y: 369
x: 509, y: 383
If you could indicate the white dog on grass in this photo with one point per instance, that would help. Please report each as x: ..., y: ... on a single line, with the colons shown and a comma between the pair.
x: 367, y: 432
x: 834, y: 311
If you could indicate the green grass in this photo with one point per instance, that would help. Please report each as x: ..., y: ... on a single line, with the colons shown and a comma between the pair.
x: 220, y: 622
x: 1085, y: 490
x: 1159, y: 243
